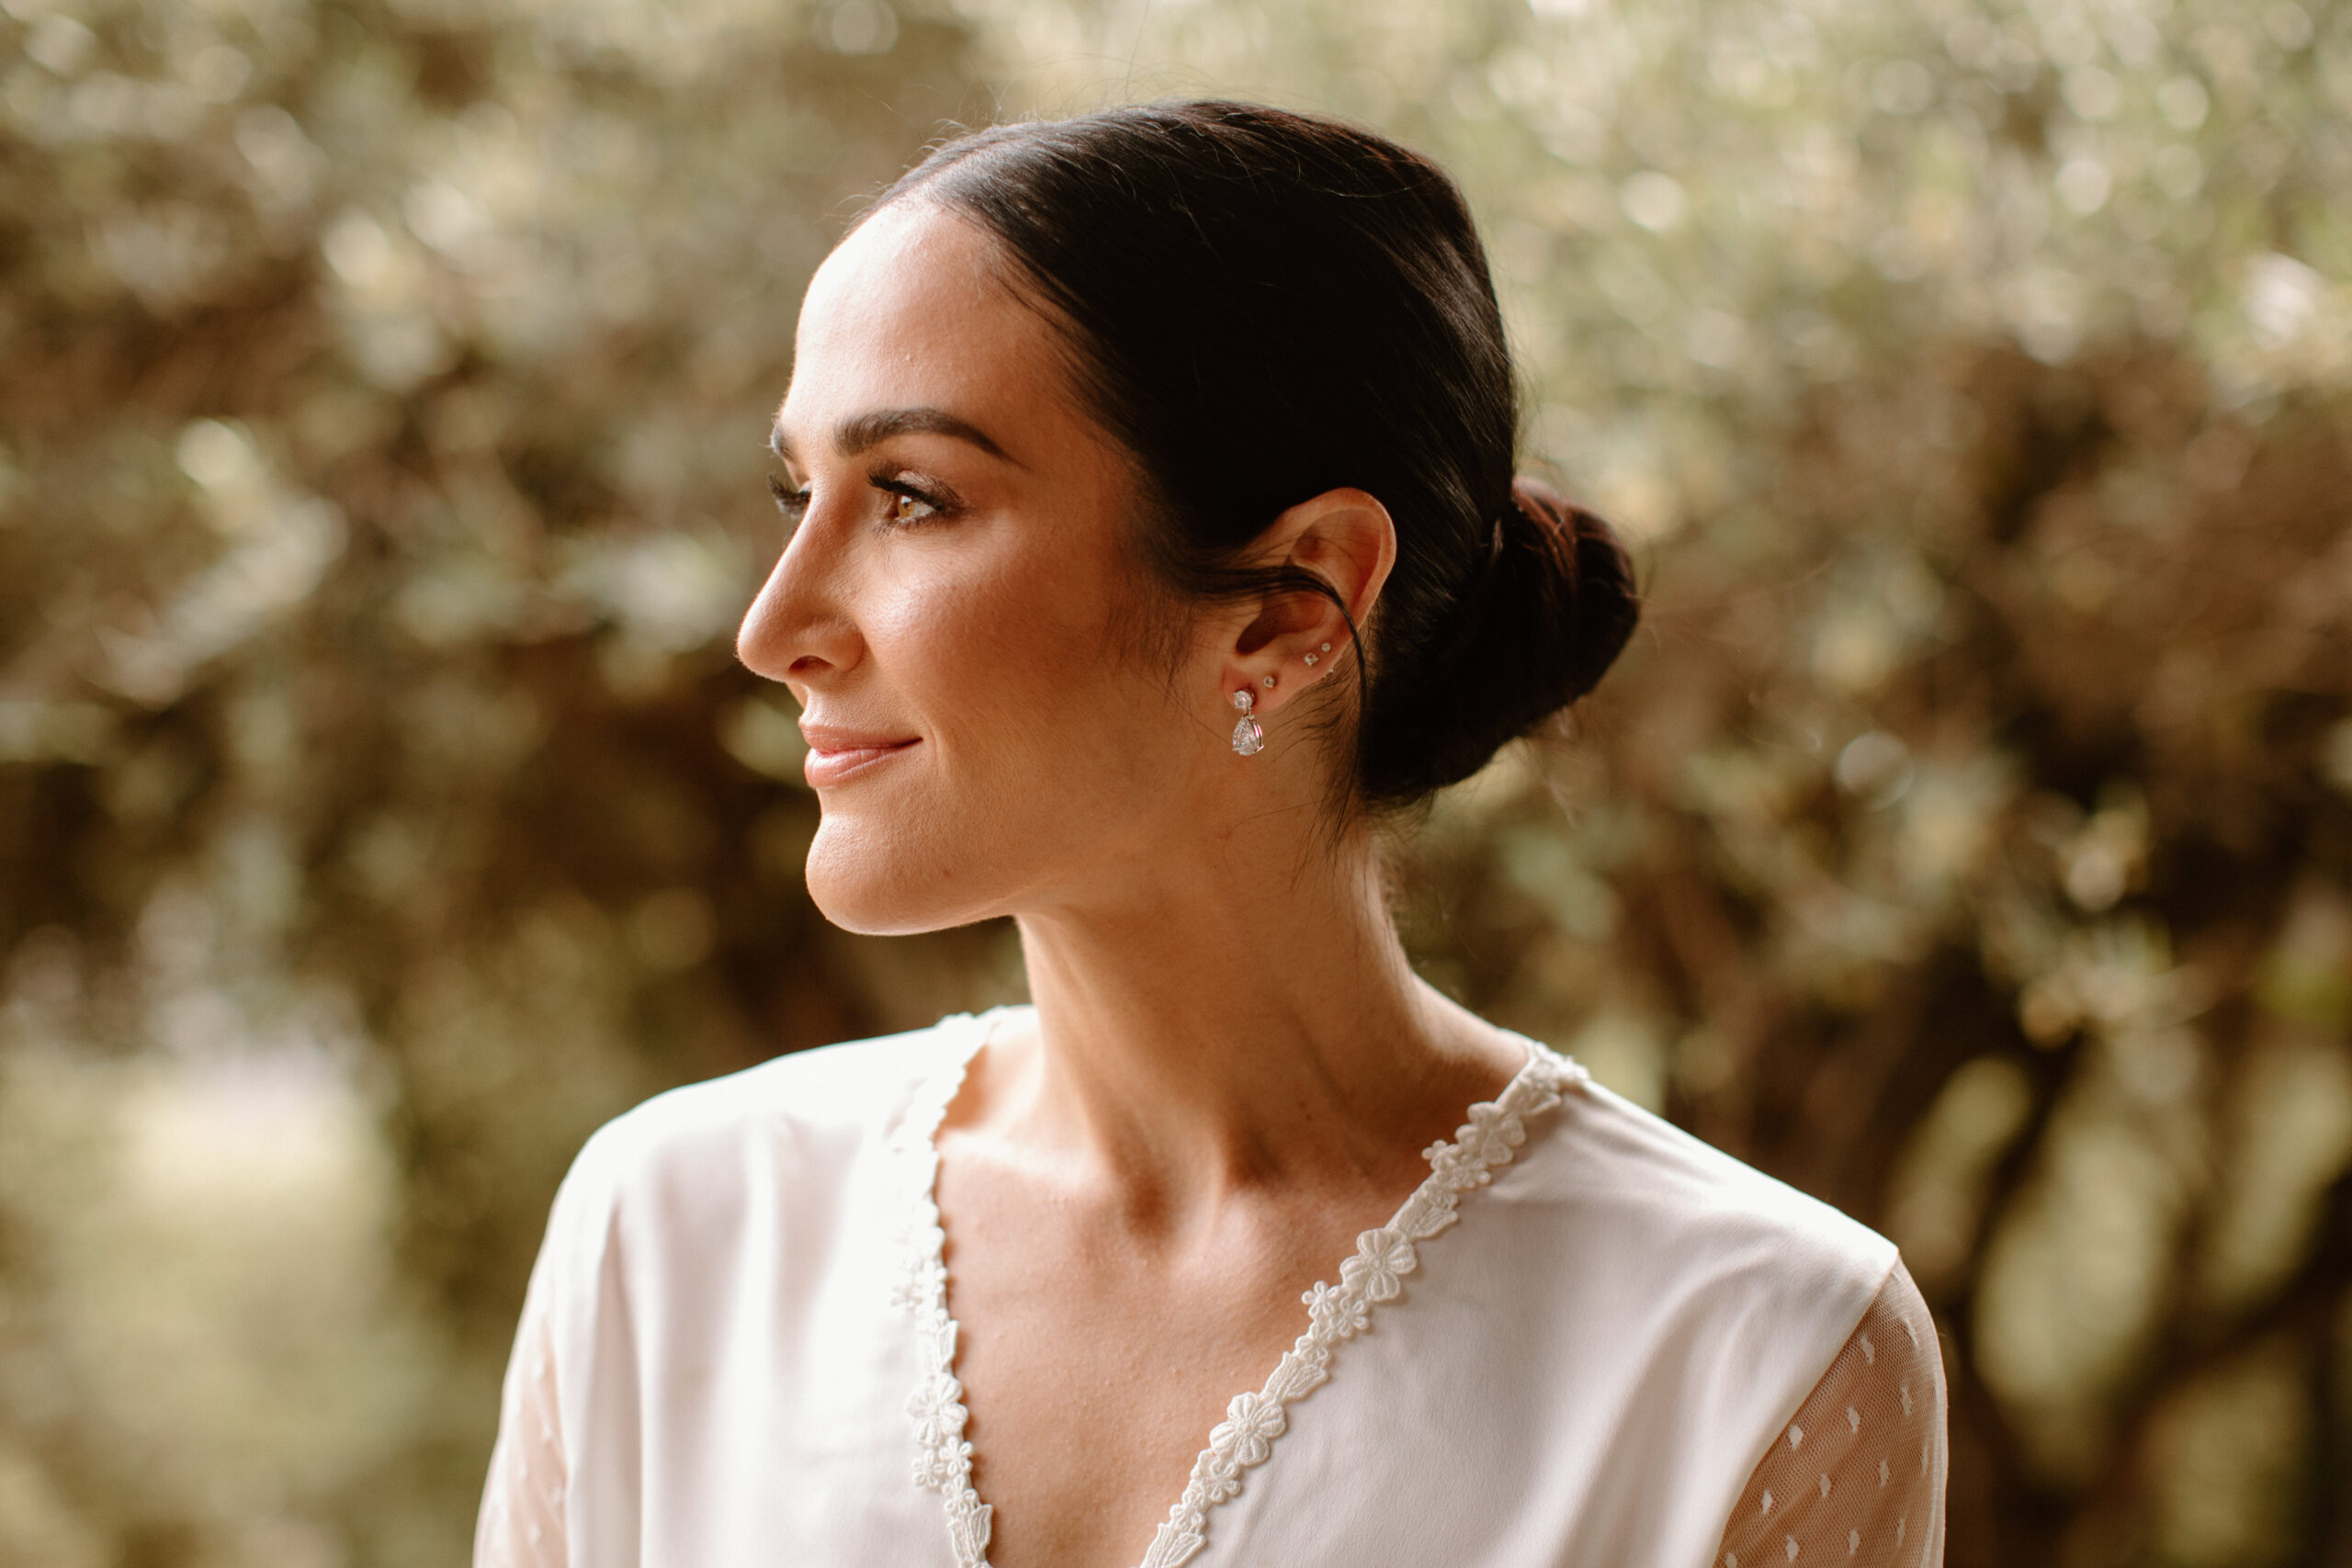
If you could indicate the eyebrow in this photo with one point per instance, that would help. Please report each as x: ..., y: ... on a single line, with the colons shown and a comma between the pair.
x: 869, y: 430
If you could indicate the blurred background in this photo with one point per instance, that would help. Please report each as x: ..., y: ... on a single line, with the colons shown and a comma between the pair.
x: 1967, y: 837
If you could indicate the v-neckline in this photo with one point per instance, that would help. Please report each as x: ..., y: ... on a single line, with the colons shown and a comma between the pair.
x: 1254, y: 1419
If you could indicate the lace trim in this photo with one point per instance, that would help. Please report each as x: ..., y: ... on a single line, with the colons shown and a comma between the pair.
x: 943, y: 1456
x: 1253, y: 1421
x: 1376, y: 1274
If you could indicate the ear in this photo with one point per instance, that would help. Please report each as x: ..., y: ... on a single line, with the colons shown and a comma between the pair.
x: 1346, y: 538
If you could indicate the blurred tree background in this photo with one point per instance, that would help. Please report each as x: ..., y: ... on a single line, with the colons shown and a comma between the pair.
x: 1967, y: 838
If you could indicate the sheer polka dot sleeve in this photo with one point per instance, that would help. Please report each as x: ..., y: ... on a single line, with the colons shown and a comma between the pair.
x: 1858, y: 1476
x: 521, y: 1523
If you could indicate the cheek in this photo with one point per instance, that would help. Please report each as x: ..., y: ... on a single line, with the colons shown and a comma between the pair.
x: 967, y: 651
x: 1052, y: 745
x: 1039, y: 711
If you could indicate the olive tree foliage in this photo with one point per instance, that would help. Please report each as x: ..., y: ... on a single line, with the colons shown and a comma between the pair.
x: 1967, y: 837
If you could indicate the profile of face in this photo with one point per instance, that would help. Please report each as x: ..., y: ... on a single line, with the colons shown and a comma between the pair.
x: 994, y: 722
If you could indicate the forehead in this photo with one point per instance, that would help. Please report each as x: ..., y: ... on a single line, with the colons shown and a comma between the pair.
x: 911, y: 311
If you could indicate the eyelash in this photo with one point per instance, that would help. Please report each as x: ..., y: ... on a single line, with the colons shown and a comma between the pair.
x: 794, y: 503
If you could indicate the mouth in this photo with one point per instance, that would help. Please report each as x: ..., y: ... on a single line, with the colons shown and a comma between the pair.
x: 835, y: 756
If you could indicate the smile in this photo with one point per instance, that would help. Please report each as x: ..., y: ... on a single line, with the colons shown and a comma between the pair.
x: 833, y: 760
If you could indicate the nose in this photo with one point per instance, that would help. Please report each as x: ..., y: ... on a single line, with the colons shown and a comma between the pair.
x: 799, y: 626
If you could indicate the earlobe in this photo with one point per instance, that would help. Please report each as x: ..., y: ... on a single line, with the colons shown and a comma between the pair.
x: 1248, y: 739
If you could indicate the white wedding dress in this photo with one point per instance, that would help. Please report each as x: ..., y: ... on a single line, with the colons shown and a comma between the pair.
x: 1586, y: 1339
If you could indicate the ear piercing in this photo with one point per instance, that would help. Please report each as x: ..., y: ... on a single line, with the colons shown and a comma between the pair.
x: 1248, y: 738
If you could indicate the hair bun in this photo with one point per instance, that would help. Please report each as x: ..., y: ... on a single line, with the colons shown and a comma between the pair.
x: 1540, y: 626
x: 1596, y: 605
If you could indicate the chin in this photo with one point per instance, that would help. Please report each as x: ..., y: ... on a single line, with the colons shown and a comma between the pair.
x: 879, y: 881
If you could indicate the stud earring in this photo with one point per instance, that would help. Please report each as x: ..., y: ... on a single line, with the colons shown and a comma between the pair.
x: 1269, y: 682
x: 1248, y: 738
x: 1310, y: 661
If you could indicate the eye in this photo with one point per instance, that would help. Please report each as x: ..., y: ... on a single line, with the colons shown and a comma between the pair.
x: 793, y: 504
x: 910, y: 500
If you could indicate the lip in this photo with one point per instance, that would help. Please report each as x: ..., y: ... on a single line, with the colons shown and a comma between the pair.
x: 836, y: 755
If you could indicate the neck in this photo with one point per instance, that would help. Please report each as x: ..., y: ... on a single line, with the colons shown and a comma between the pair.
x: 1237, y: 1023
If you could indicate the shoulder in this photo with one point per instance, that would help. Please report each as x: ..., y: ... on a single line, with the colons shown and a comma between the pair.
x: 1677, y: 1288
x: 798, y: 1124
x: 1695, y: 1225
x: 853, y: 1086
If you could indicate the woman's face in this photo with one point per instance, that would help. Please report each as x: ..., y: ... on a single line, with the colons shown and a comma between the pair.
x: 956, y: 612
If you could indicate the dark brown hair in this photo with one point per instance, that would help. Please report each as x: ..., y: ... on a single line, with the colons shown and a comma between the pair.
x: 1262, y: 306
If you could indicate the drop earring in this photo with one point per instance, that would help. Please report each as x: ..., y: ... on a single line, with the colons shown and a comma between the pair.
x: 1248, y: 738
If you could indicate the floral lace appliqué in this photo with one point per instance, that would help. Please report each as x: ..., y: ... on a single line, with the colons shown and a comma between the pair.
x: 1335, y: 1313
x: 943, y: 1454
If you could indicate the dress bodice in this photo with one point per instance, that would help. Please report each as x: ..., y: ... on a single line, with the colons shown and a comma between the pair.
x: 1584, y: 1338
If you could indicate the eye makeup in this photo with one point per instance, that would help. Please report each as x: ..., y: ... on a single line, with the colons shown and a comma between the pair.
x: 793, y: 504
x: 913, y: 501
x: 927, y: 500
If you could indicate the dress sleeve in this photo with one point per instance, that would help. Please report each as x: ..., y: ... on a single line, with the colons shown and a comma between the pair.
x: 522, y: 1519
x: 1858, y: 1476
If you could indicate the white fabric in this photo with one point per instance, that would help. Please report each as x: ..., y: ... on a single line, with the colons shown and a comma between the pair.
x: 735, y: 1346
x: 1858, y: 1474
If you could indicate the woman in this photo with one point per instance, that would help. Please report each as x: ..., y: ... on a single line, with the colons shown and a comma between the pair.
x: 1155, y: 538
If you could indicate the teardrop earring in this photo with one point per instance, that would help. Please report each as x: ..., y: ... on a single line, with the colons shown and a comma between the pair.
x: 1248, y: 738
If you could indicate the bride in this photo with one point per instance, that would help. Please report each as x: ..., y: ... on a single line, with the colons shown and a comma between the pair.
x: 1154, y: 538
